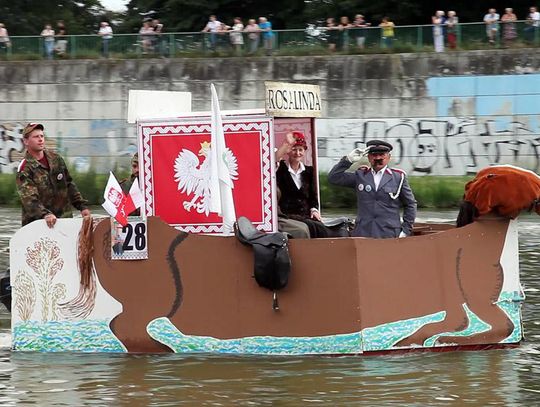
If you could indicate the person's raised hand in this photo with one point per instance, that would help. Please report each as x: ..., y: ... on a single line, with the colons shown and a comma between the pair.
x: 286, y: 146
x: 289, y: 139
x: 355, y: 155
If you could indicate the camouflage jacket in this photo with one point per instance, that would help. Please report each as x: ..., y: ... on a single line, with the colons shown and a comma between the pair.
x: 45, y: 191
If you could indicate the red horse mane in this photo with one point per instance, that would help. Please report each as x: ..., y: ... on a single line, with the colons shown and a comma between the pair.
x: 503, y: 190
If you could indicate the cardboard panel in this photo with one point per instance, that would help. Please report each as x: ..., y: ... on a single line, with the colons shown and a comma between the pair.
x: 196, y: 293
x: 176, y: 171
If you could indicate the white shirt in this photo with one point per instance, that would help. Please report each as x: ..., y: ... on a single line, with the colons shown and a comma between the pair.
x: 236, y: 36
x: 213, y: 26
x: 48, y: 34
x: 492, y: 18
x: 3, y: 35
x: 536, y: 18
x: 105, y: 32
x: 377, y: 176
x: 296, y: 176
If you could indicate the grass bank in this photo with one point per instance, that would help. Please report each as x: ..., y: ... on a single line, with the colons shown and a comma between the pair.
x: 438, y: 192
x: 89, y: 183
x: 430, y: 191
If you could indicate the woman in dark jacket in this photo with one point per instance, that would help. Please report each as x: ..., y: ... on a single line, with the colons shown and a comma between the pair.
x: 296, y: 182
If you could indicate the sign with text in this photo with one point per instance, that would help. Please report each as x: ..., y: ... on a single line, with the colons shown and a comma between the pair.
x: 284, y: 99
x: 129, y: 242
x: 175, y: 159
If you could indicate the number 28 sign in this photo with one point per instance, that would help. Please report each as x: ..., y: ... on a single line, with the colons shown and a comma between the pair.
x: 129, y: 242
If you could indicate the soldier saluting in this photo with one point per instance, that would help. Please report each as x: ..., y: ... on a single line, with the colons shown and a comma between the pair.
x: 381, y: 192
x: 45, y: 187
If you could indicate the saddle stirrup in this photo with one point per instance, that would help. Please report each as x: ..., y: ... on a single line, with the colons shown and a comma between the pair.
x: 275, y: 302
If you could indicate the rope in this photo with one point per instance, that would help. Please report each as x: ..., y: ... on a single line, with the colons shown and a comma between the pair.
x: 394, y: 196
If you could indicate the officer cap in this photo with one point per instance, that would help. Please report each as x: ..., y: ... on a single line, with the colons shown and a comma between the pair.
x: 378, y: 146
x: 30, y: 127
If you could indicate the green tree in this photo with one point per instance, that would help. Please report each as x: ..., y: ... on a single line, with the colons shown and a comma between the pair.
x: 28, y: 17
x: 191, y: 15
x: 408, y: 12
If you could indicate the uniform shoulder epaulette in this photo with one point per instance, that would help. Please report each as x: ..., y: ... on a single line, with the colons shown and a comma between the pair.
x: 21, y: 165
x: 399, y: 171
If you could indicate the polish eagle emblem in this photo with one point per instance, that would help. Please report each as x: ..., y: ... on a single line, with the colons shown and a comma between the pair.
x: 193, y: 177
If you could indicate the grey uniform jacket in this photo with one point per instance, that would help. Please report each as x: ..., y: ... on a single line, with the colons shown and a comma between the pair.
x: 378, y: 214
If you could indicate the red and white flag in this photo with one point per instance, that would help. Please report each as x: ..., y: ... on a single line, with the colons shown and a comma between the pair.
x: 117, y: 203
x: 136, y: 194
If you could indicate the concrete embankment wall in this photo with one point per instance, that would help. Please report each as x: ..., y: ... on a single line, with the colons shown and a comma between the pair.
x: 451, y: 113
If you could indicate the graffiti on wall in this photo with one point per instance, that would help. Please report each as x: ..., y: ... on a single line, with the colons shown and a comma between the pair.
x: 101, y: 145
x: 478, y: 121
x: 11, y: 146
x: 481, y: 120
x: 438, y: 146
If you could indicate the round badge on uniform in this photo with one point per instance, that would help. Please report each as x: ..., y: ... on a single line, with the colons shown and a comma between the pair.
x: 360, y: 187
x: 368, y: 188
x: 60, y: 176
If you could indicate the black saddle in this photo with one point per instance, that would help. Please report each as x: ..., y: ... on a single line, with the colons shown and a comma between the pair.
x: 339, y: 227
x: 272, y: 264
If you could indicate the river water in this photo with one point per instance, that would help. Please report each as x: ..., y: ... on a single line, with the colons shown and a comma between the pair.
x: 509, y: 377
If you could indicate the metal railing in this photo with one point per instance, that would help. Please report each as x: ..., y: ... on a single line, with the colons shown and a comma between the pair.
x: 310, y: 41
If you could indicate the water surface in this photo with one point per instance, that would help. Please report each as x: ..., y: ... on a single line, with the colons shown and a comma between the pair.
x: 509, y: 377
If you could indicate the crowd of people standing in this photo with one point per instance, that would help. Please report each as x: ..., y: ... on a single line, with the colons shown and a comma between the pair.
x: 338, y: 34
x: 219, y: 33
x: 497, y: 28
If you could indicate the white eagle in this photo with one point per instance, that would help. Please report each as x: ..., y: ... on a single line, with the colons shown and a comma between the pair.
x: 194, y: 177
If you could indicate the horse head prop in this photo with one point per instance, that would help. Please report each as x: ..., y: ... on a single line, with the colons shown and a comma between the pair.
x: 503, y: 190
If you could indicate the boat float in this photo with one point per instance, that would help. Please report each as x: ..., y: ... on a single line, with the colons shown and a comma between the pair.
x: 172, y: 280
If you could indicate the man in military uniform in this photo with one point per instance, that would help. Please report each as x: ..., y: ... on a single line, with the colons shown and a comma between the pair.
x: 126, y: 183
x: 381, y: 192
x: 43, y: 182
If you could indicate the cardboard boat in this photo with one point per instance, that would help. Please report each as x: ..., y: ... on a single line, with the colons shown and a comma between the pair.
x: 443, y: 288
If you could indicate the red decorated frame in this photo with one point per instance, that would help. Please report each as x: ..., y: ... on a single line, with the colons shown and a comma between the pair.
x: 248, y: 137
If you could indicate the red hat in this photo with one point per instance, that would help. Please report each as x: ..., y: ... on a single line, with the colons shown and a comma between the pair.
x: 30, y: 127
x: 299, y: 139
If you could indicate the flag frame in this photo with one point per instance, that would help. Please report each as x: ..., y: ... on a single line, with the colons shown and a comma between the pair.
x: 148, y: 130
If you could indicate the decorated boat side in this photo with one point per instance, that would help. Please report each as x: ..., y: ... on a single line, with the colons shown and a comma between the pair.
x: 176, y: 280
x: 196, y: 293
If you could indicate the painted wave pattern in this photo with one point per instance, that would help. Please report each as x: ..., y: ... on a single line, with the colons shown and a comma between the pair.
x: 378, y: 338
x: 476, y: 325
x: 384, y: 337
x: 164, y: 331
x: 96, y: 336
x: 65, y: 336
x: 510, y: 303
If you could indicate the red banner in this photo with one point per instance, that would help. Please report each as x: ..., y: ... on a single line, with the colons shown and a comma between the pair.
x: 175, y: 168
